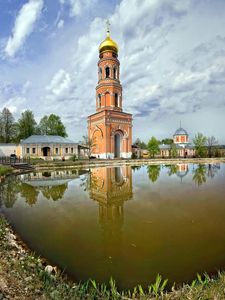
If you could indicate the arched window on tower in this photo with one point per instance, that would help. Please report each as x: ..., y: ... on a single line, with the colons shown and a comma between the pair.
x: 100, y: 73
x: 116, y: 100
x: 99, y: 101
x: 114, y: 73
x: 107, y: 72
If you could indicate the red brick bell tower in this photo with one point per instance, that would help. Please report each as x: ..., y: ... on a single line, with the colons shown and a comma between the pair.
x: 109, y: 129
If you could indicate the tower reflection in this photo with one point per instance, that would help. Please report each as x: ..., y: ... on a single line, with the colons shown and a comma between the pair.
x: 111, y: 188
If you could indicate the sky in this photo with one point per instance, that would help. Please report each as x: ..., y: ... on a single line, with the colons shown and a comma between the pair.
x: 172, y: 56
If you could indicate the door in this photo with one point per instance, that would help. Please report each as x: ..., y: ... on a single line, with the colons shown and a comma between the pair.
x: 117, y: 145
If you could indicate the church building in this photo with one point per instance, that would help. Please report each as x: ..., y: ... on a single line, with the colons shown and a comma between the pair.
x: 182, y: 145
x: 109, y: 128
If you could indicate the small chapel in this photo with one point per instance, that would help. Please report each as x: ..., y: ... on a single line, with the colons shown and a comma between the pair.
x: 109, y: 128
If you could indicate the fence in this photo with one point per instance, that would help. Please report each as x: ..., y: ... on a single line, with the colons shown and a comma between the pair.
x: 8, y: 160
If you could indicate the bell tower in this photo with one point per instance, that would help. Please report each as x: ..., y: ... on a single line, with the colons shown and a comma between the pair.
x: 109, y: 129
x: 109, y: 89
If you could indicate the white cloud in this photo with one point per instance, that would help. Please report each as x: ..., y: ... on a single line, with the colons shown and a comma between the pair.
x: 60, y: 86
x: 26, y: 86
x: 24, y: 25
x: 60, y: 24
x: 13, y: 104
x: 171, y: 67
x: 77, y: 7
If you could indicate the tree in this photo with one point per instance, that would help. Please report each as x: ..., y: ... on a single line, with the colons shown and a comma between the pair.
x: 173, y: 151
x: 199, y: 176
x: 140, y: 143
x: 52, y: 125
x: 26, y: 125
x: 7, y: 126
x: 211, y: 142
x: 90, y: 143
x: 153, y: 146
x: 167, y: 141
x: 172, y: 169
x: 153, y: 172
x: 143, y: 145
x: 43, y: 126
x: 200, y: 143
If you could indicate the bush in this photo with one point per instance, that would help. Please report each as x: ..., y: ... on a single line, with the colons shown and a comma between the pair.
x: 73, y: 157
x: 5, y: 170
x: 133, y: 156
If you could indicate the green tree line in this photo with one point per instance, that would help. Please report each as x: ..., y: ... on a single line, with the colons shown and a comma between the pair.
x: 204, y: 146
x: 12, y: 131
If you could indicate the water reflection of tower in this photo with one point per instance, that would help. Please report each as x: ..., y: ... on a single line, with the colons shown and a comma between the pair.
x: 111, y: 187
x: 182, y: 171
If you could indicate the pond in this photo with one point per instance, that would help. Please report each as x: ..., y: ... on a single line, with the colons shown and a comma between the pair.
x: 128, y: 222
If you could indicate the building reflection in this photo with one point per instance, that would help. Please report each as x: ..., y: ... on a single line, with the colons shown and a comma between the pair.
x: 51, y: 184
x: 182, y: 171
x: 111, y: 188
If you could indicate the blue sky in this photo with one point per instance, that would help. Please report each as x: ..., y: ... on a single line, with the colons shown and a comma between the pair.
x: 172, y: 56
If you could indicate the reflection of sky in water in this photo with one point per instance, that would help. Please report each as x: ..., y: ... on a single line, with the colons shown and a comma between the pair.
x: 127, y: 222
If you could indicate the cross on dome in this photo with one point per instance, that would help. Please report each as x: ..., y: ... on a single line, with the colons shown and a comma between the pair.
x: 108, y: 44
x: 107, y: 27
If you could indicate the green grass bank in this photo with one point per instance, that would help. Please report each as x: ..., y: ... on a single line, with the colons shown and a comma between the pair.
x: 24, y: 275
x: 5, y: 170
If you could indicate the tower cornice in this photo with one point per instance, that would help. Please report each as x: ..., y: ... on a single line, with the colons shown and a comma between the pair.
x: 114, y: 59
x: 109, y: 84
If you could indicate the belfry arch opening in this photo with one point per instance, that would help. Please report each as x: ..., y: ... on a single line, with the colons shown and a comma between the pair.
x: 116, y: 100
x: 107, y: 72
x: 100, y: 73
x: 99, y: 100
x: 114, y: 73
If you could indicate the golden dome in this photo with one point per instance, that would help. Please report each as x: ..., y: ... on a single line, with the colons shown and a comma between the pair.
x: 108, y: 44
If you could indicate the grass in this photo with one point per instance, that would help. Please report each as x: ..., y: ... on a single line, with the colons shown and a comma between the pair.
x: 5, y: 170
x: 23, y: 275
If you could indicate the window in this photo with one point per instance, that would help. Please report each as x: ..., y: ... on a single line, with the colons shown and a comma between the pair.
x: 56, y: 150
x: 72, y: 150
x: 99, y: 101
x: 28, y: 150
x: 114, y: 73
x: 116, y: 100
x: 33, y: 150
x: 107, y: 72
x: 100, y: 73
x: 66, y: 150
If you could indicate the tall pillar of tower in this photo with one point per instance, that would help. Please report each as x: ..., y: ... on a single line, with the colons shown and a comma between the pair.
x: 109, y: 128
